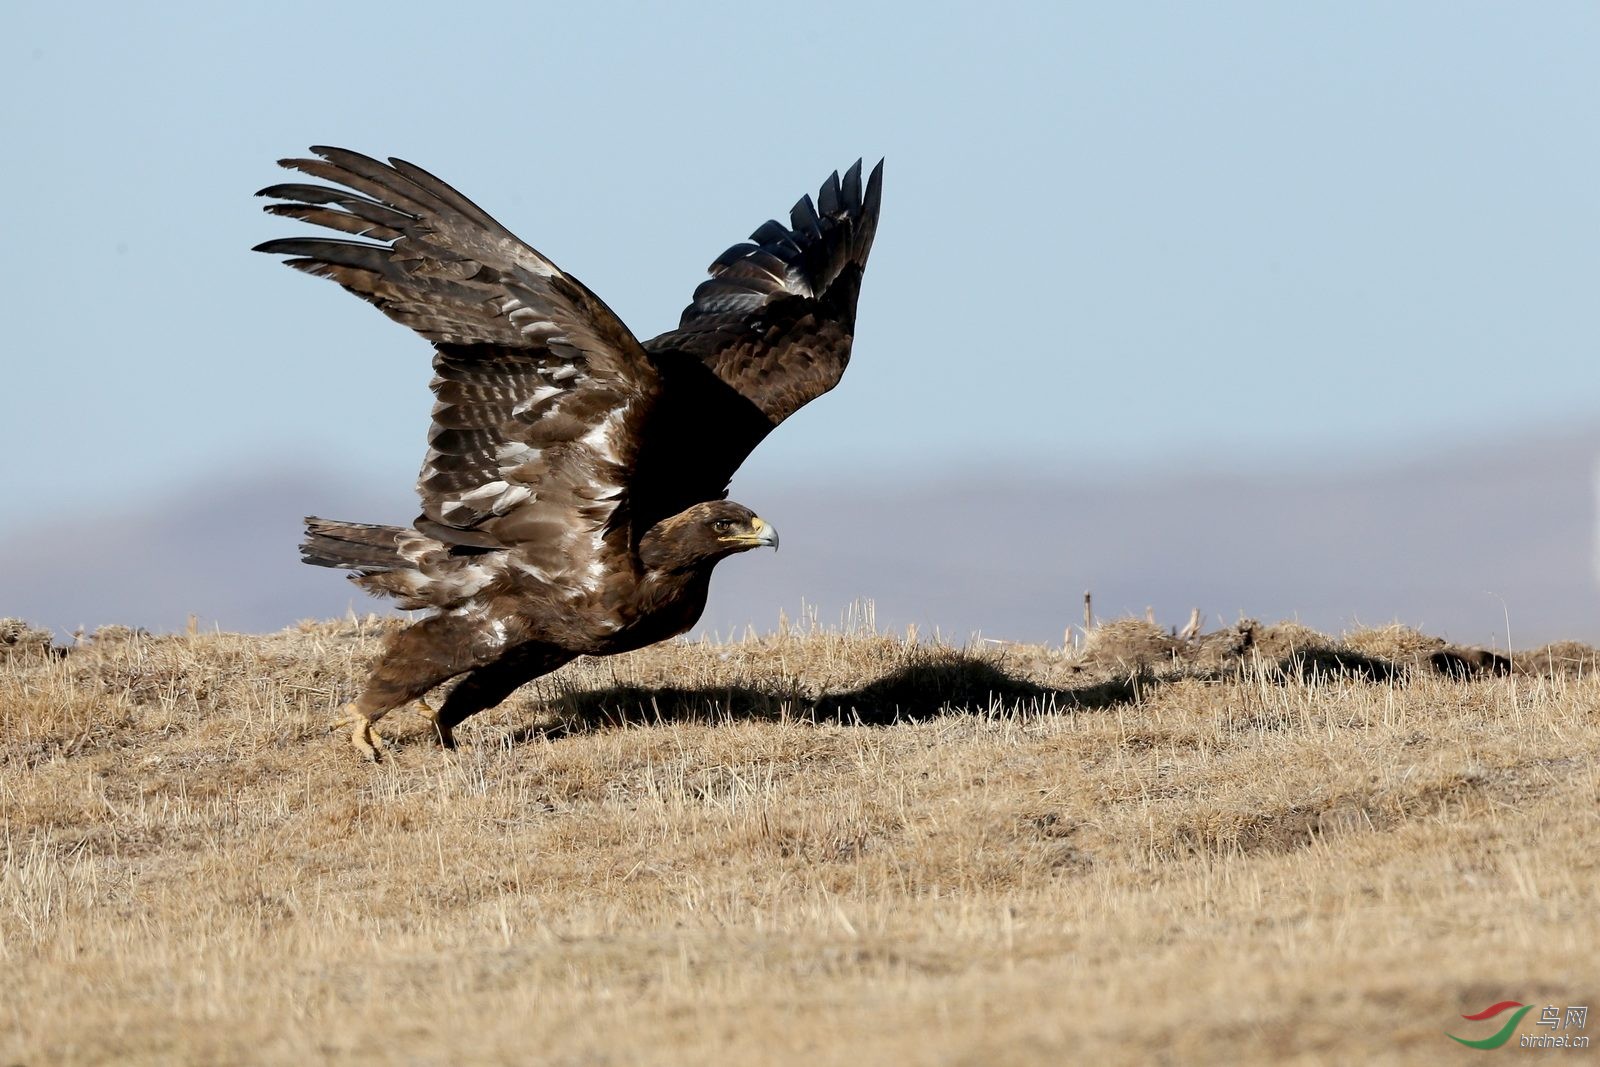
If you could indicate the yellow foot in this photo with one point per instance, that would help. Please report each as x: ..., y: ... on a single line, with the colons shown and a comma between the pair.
x: 446, y: 736
x: 362, y: 735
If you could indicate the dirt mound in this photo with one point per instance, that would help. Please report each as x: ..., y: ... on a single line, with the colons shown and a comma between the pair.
x: 17, y: 638
x: 1561, y: 659
x: 1290, y: 650
x: 1128, y: 645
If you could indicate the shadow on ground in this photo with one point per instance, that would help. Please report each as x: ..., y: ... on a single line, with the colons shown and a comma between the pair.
x: 959, y: 683
x: 1121, y: 663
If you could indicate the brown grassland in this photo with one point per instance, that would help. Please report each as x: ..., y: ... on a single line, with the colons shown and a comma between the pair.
x: 814, y: 847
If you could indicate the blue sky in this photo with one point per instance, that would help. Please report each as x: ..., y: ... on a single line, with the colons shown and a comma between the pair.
x: 1115, y: 236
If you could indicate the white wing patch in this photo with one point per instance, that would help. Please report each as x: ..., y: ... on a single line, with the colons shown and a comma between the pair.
x: 514, y: 454
x: 484, y: 493
x: 497, y: 497
x: 533, y: 323
x: 515, y: 469
x: 437, y: 578
x: 794, y: 281
x: 534, y: 399
x: 532, y: 570
x: 595, y: 571
x: 490, y: 637
x: 471, y: 580
x: 537, y: 442
x: 603, y: 437
x: 413, y: 546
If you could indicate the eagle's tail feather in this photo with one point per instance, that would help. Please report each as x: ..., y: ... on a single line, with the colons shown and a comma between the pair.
x: 358, y: 546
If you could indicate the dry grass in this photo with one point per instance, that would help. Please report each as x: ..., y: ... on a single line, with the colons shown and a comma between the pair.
x: 807, y: 848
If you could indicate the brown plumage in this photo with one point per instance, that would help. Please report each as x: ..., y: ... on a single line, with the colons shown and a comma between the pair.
x: 573, y: 490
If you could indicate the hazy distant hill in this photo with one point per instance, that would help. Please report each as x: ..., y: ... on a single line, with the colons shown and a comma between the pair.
x: 1436, y: 542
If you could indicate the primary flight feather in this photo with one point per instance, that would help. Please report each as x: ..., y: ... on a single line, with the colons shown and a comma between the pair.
x: 574, y: 488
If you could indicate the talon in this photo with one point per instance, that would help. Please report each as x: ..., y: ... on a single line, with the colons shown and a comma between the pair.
x: 446, y: 736
x: 363, y: 736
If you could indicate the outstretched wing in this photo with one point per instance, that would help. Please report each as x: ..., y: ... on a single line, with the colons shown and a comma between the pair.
x: 769, y: 332
x: 540, y: 388
x: 777, y: 316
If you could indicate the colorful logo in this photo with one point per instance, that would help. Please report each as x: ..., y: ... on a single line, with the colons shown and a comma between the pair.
x: 1505, y: 1031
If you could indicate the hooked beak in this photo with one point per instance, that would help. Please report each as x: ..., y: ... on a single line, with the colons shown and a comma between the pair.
x: 761, y: 533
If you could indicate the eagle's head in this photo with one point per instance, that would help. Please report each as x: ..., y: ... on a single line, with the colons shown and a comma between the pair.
x: 703, y: 534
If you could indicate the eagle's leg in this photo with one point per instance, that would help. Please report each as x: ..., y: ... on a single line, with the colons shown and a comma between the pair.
x: 489, y: 685
x: 413, y: 661
x: 445, y: 734
x: 363, y: 735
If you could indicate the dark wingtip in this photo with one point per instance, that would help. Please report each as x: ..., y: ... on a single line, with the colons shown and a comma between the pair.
x: 850, y: 188
x: 830, y: 198
x: 803, y: 216
x: 317, y: 247
x: 874, y: 195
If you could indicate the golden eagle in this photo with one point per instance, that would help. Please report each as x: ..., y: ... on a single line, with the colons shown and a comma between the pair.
x: 574, y: 489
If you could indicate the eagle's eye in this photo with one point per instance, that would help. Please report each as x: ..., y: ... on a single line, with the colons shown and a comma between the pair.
x: 722, y: 525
